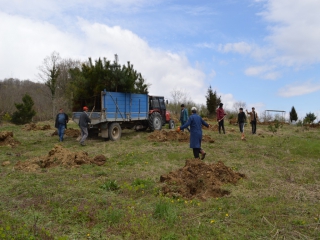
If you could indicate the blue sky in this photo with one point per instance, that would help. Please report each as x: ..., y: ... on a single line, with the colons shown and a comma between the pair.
x: 265, y: 53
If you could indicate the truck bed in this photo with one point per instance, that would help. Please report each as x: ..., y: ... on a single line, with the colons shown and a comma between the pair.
x: 119, y: 107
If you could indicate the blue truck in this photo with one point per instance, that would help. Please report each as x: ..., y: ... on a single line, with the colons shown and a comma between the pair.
x: 127, y: 110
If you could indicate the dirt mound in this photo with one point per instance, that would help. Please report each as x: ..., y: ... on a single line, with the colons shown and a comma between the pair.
x: 6, y: 139
x: 70, y: 132
x: 34, y: 127
x: 59, y: 156
x: 171, y: 135
x: 199, y: 180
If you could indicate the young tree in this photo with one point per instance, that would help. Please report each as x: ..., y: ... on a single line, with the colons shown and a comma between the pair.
x: 293, y: 114
x: 24, y: 113
x: 310, y: 117
x: 212, y: 101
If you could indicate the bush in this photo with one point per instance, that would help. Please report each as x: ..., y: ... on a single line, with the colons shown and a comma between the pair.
x: 25, y: 112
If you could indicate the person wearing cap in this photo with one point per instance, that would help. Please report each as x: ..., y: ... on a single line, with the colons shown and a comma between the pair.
x: 220, y: 118
x: 84, y: 121
x: 253, y: 120
x: 61, y: 123
x: 195, y: 122
x: 241, y: 120
x: 184, y: 116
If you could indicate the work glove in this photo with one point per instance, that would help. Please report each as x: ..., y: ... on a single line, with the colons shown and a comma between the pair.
x: 178, y: 129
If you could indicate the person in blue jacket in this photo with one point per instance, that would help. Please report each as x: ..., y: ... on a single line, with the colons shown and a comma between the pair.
x: 61, y: 123
x: 184, y: 115
x: 195, y: 122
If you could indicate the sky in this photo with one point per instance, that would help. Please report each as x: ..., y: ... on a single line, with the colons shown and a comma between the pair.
x: 265, y: 53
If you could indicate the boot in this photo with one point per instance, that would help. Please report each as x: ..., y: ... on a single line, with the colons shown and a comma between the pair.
x: 203, y: 154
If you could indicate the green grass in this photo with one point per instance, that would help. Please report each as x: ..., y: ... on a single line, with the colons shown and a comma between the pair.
x: 279, y: 199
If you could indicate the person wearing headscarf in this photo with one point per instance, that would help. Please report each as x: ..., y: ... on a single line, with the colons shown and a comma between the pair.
x: 195, y: 122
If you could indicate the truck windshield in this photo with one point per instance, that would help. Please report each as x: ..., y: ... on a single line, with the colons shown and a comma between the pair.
x: 162, y: 105
x: 155, y: 103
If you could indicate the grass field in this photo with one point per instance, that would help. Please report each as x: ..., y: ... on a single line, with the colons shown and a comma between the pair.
x: 279, y: 199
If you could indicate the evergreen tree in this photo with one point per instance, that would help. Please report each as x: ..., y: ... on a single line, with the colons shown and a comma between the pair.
x: 91, y: 78
x: 310, y: 117
x: 24, y: 113
x: 293, y: 114
x: 212, y: 101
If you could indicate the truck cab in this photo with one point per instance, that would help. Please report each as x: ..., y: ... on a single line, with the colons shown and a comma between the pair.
x: 158, y: 115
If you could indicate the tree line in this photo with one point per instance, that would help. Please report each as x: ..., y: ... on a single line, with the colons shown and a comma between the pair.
x: 71, y: 84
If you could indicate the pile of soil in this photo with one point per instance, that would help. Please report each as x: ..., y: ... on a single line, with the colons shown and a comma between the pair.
x: 70, y: 132
x: 198, y: 179
x: 59, y: 156
x: 6, y: 139
x: 172, y: 135
x: 34, y: 127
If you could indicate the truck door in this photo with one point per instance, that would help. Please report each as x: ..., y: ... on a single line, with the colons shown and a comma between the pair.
x: 162, y: 110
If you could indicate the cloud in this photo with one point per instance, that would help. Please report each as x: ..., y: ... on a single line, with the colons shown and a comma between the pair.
x: 294, y: 30
x: 27, y: 39
x: 298, y: 89
x: 240, y: 47
x: 265, y: 72
x: 25, y: 43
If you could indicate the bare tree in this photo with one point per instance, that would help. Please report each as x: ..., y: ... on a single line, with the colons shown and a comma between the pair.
x: 179, y: 97
x: 49, y: 73
x: 238, y: 105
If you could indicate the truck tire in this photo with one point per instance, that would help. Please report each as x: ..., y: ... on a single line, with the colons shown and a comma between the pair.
x: 114, y: 131
x: 171, y: 124
x: 155, y: 122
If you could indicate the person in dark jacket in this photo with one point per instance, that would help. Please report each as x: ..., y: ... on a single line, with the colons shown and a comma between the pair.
x: 184, y: 115
x: 61, y: 123
x: 84, y: 121
x: 241, y: 120
x: 195, y: 122
x: 220, y: 118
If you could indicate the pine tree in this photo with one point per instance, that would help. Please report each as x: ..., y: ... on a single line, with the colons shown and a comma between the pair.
x: 293, y: 114
x: 25, y: 112
x: 212, y: 101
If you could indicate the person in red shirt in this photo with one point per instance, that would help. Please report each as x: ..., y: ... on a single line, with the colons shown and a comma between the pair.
x: 220, y: 118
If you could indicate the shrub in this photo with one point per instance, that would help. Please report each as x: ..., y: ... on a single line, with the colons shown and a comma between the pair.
x: 24, y: 113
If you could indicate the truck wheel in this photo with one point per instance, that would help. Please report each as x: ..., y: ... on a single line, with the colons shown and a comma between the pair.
x: 155, y: 122
x: 171, y: 124
x: 114, y: 131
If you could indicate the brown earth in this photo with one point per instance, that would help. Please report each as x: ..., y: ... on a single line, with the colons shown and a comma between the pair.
x: 6, y: 139
x: 172, y: 135
x: 34, y: 127
x: 59, y: 156
x: 198, y: 179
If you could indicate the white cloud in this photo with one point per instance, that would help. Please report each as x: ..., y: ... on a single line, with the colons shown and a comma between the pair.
x: 298, y: 89
x: 25, y: 43
x: 25, y: 39
x: 240, y: 47
x: 294, y: 30
x: 265, y: 72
